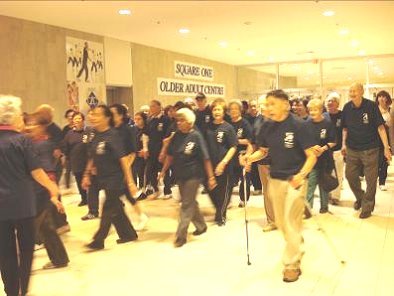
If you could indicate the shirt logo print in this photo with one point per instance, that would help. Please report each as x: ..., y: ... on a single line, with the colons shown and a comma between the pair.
x: 189, y: 148
x: 289, y: 140
x: 365, y: 118
x: 84, y: 139
x: 100, y: 149
x: 219, y: 137
x: 240, y: 131
x: 207, y: 118
x: 160, y: 127
x: 338, y: 122
x: 323, y: 133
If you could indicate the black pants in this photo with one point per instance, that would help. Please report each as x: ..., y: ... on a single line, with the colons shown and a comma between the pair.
x: 16, y: 266
x: 67, y: 174
x: 46, y: 231
x: 139, y: 166
x: 383, y: 166
x: 82, y: 192
x: 238, y: 175
x: 152, y: 170
x: 59, y: 219
x: 113, y: 213
x: 221, y: 195
x: 93, y: 196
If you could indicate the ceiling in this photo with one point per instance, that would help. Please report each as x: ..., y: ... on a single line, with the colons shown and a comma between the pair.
x: 256, y: 32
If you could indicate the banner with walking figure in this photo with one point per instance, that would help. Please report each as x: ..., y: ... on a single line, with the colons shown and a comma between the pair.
x: 85, y: 73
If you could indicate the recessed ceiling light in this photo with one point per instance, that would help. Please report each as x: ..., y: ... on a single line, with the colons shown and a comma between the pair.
x: 124, y: 11
x: 362, y: 52
x: 349, y: 78
x: 344, y: 32
x: 271, y: 59
x: 380, y: 73
x: 328, y: 13
x: 355, y: 43
x: 250, y: 53
x: 184, y: 30
x: 223, y: 44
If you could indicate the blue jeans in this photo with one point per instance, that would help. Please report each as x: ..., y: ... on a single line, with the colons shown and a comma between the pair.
x: 312, y: 183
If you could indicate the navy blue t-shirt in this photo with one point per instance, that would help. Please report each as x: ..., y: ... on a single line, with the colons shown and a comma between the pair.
x: 76, y: 144
x: 243, y: 130
x: 336, y: 120
x: 157, y: 130
x: 189, y: 152
x: 220, y: 138
x: 258, y: 123
x: 203, y: 119
x: 286, y: 142
x: 129, y: 136
x: 107, y: 150
x: 17, y: 160
x: 362, y: 125
x: 323, y: 133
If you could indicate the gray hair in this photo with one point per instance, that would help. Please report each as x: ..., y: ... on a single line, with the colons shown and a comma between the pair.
x: 187, y: 114
x: 10, y: 109
x: 236, y: 102
x: 334, y: 96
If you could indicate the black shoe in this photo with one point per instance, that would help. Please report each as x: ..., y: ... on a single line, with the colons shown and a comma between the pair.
x: 126, y: 240
x: 307, y: 213
x: 89, y: 216
x: 365, y: 215
x: 199, y: 232
x: 82, y: 203
x: 50, y: 265
x: 357, y: 205
x: 179, y: 243
x: 334, y: 202
x: 95, y: 245
x: 221, y: 222
x: 204, y: 191
x: 323, y: 211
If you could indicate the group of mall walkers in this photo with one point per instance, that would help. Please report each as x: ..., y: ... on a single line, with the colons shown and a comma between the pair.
x: 279, y: 145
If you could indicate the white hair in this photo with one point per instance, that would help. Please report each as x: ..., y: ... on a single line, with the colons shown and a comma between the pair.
x: 186, y: 113
x: 10, y: 109
x: 334, y: 96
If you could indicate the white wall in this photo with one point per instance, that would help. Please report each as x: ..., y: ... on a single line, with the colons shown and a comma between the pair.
x: 118, y: 62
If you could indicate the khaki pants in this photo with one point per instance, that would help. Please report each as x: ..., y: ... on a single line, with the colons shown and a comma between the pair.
x: 288, y: 204
x: 264, y: 172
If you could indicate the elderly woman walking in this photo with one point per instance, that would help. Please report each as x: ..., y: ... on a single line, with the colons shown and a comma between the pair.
x: 17, y: 201
x: 189, y: 156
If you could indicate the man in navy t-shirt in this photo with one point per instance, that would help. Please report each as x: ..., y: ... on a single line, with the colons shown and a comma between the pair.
x: 292, y: 158
x: 332, y: 104
x: 363, y: 124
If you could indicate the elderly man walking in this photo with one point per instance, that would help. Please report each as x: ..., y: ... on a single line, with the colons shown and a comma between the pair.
x: 363, y: 124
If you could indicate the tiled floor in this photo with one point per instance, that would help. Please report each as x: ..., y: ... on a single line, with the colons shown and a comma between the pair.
x: 216, y: 263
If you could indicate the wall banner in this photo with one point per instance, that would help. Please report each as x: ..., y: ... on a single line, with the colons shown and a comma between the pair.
x: 193, y: 71
x: 85, y: 73
x: 188, y: 88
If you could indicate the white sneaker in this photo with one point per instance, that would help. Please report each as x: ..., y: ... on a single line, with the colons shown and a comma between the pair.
x: 383, y: 187
x: 167, y: 196
x: 143, y: 220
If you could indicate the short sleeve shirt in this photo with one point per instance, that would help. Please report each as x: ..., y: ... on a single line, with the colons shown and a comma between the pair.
x: 17, y: 160
x: 243, y: 130
x: 336, y: 120
x: 323, y: 133
x: 107, y: 149
x: 129, y: 137
x: 189, y: 152
x: 286, y: 142
x: 362, y: 125
x: 220, y: 138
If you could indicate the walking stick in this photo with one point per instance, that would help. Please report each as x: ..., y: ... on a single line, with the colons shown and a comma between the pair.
x: 246, y: 216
